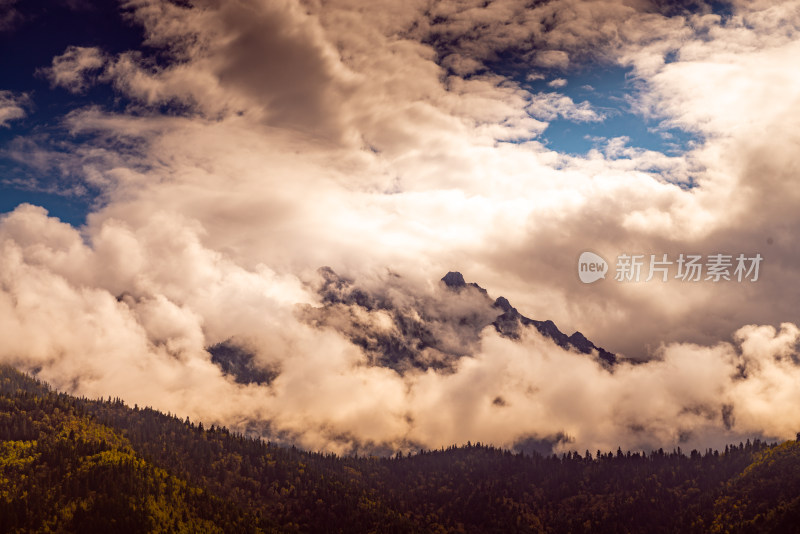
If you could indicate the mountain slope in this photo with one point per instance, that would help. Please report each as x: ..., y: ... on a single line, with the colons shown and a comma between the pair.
x: 62, y: 471
x: 77, y: 465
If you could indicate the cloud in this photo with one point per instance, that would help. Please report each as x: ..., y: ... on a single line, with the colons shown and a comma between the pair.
x: 386, y: 140
x: 12, y: 107
x: 76, y: 69
x: 269, y: 61
x: 138, y: 331
x: 678, y: 399
x: 552, y: 59
x: 9, y: 15
x: 557, y: 83
x: 549, y: 106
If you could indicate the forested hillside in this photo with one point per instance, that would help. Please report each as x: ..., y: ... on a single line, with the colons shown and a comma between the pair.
x: 77, y: 465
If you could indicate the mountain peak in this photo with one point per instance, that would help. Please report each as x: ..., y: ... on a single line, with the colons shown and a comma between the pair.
x: 509, y: 322
x: 454, y: 279
x: 449, y: 322
x: 503, y: 304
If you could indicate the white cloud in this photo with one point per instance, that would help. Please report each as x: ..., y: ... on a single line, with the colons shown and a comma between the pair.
x: 12, y: 107
x: 552, y: 59
x: 550, y: 106
x: 76, y: 69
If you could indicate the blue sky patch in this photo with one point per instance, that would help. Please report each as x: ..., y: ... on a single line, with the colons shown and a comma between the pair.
x: 607, y: 89
x: 45, y: 30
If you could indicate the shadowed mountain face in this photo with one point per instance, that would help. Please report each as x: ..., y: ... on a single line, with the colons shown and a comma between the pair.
x: 238, y: 362
x: 403, y: 329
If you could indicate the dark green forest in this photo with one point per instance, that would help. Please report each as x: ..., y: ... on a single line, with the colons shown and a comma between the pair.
x: 69, y: 464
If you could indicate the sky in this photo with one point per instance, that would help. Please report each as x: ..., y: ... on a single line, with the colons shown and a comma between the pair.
x: 173, y: 174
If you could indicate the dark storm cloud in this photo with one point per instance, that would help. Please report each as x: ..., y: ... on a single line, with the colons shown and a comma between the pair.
x: 9, y: 15
x: 283, y: 64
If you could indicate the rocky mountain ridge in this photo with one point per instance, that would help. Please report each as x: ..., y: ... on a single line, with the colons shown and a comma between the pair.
x: 401, y: 328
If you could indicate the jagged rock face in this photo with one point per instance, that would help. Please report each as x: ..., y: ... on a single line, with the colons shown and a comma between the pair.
x: 454, y: 280
x: 401, y: 328
x: 511, y: 321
